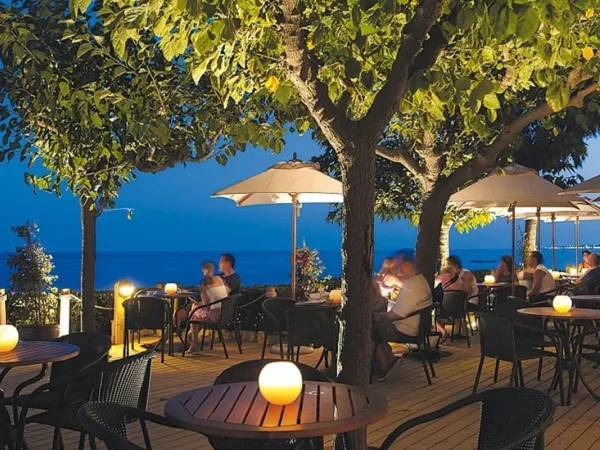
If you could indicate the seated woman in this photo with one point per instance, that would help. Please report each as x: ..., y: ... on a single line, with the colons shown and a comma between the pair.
x: 212, y: 289
x: 585, y: 264
x: 503, y: 273
x: 387, y: 279
x: 467, y: 279
x: 446, y: 275
x: 543, y: 283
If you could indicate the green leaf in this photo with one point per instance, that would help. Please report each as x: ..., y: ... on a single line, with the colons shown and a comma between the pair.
x: 229, y: 28
x: 487, y: 53
x: 199, y: 70
x: 97, y: 121
x: 221, y: 159
x: 528, y: 24
x: 83, y: 49
x: 366, y: 29
x: 490, y: 101
x: 557, y: 95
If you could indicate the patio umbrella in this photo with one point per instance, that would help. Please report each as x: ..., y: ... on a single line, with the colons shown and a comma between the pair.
x: 587, y: 210
x: 294, y: 182
x: 514, y: 189
x: 589, y: 186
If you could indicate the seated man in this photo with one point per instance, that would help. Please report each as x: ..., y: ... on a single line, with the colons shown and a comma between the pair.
x: 415, y: 294
x: 591, y: 279
x: 228, y: 274
x: 543, y: 283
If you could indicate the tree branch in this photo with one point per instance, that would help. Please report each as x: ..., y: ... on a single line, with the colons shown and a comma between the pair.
x: 302, y: 70
x: 413, y: 35
x: 487, y: 160
x: 402, y: 156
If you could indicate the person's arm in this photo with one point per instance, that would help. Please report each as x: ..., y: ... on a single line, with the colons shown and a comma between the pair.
x: 222, y: 283
x: 467, y: 279
x: 392, y: 280
x: 538, y: 275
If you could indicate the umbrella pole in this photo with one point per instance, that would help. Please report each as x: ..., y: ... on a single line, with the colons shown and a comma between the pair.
x: 553, y: 243
x: 577, y: 243
x: 513, y: 208
x: 294, y: 218
x: 539, y: 229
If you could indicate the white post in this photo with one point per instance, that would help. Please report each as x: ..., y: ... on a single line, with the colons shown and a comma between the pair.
x: 3, y: 298
x: 65, y: 312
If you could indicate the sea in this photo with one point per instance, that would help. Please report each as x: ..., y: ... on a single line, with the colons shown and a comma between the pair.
x: 254, y: 267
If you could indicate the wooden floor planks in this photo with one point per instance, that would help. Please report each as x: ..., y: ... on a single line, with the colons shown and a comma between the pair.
x: 576, y: 426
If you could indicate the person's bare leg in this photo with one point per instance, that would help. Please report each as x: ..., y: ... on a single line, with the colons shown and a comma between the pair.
x: 195, y: 330
x: 440, y: 327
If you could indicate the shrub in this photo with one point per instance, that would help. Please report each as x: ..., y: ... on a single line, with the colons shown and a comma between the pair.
x: 309, y: 269
x: 33, y: 298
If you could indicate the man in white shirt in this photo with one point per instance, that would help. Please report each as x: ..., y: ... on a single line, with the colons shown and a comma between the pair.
x: 395, y: 326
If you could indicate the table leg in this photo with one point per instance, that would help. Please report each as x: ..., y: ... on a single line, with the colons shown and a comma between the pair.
x: 19, y: 425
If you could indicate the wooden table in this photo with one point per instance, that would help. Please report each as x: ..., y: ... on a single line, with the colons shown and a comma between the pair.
x: 562, y: 322
x: 238, y: 410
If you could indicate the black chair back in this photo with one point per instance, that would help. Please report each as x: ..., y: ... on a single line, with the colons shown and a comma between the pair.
x: 93, y: 349
x: 250, y: 370
x: 311, y: 325
x: 229, y: 307
x: 437, y: 294
x: 500, y: 294
x: 126, y: 381
x: 146, y: 313
x: 274, y: 321
x: 425, y: 320
x: 496, y: 337
x: 453, y: 305
x: 508, y: 309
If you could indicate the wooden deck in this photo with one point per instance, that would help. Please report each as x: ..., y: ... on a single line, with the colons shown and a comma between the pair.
x: 575, y: 427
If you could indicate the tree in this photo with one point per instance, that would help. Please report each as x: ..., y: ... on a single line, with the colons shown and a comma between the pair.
x: 93, y: 119
x: 352, y: 65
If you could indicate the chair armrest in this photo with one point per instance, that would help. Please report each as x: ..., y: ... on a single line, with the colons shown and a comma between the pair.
x: 141, y: 414
x: 428, y: 418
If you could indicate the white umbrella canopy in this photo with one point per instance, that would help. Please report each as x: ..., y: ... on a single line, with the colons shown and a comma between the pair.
x: 294, y: 182
x: 517, y: 189
x: 591, y: 186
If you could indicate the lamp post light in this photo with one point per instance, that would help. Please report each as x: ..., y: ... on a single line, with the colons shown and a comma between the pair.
x: 123, y: 290
x: 64, y: 322
x: 3, y: 298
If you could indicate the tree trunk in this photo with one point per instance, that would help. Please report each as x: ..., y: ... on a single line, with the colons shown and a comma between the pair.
x: 354, y: 348
x: 444, y: 248
x: 529, y: 241
x: 429, y: 229
x: 88, y: 264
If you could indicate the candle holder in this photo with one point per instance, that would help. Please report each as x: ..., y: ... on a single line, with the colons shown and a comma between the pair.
x: 280, y: 383
x: 9, y: 338
x: 562, y: 303
x: 171, y: 288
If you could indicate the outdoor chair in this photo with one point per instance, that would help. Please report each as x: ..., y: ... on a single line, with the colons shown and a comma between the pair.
x: 226, y: 320
x: 274, y: 321
x: 314, y: 325
x: 497, y: 340
x: 145, y: 313
x: 249, y: 371
x: 499, y: 295
x: 511, y: 418
x: 93, y: 350
x: 247, y: 311
x: 454, y: 308
x: 421, y: 341
x: 125, y: 381
x: 108, y: 422
x: 592, y: 355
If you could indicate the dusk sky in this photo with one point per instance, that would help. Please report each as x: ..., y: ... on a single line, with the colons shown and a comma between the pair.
x: 173, y: 211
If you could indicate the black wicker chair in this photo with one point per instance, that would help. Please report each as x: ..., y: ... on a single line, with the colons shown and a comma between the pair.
x: 311, y: 325
x: 226, y: 321
x: 421, y: 341
x: 249, y: 371
x: 454, y: 308
x: 511, y: 418
x: 93, y: 349
x: 497, y: 340
x: 145, y: 313
x: 125, y: 381
x: 108, y: 422
x: 274, y: 321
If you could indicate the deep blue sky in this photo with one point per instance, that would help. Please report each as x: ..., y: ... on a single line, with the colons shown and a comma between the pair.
x: 173, y: 211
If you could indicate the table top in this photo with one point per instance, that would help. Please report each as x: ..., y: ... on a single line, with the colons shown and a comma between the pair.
x: 28, y: 353
x: 163, y: 294
x: 493, y: 285
x: 238, y: 410
x: 589, y: 298
x: 550, y: 313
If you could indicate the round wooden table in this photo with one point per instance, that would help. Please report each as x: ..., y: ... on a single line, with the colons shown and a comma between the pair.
x: 548, y: 312
x: 238, y: 410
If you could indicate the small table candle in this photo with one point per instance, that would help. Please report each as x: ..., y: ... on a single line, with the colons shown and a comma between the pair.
x: 489, y: 279
x: 170, y: 288
x: 280, y: 383
x: 562, y: 303
x: 9, y: 338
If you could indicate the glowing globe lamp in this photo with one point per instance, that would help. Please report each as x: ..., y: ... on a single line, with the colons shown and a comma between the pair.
x: 170, y: 288
x: 280, y: 383
x: 489, y: 279
x: 9, y: 338
x: 555, y: 275
x: 335, y: 296
x: 572, y: 270
x: 562, y: 303
x: 126, y: 289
